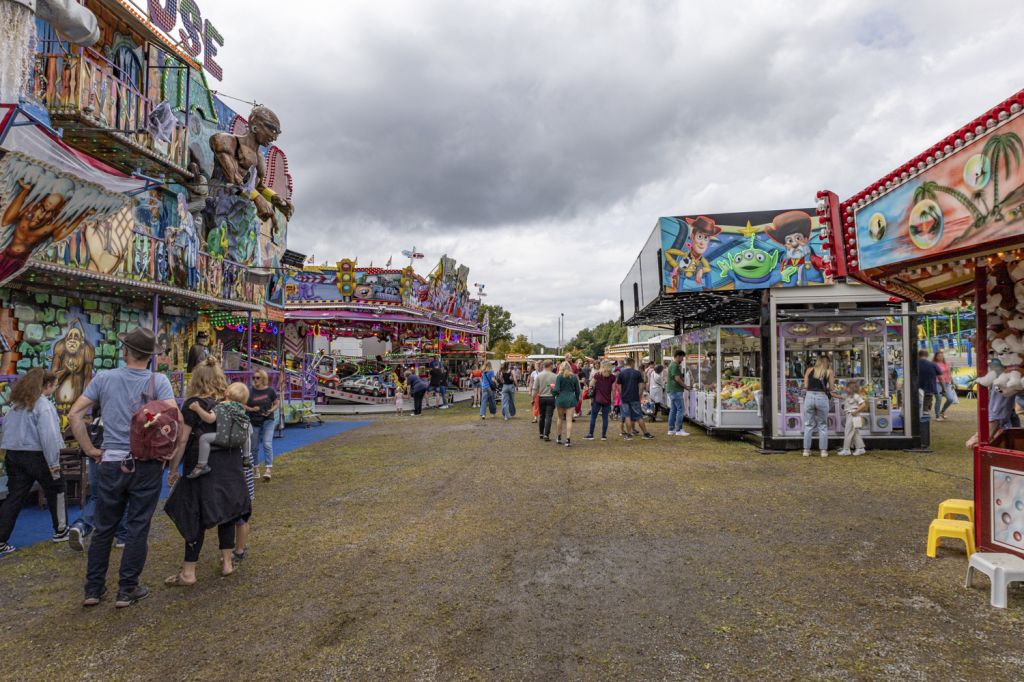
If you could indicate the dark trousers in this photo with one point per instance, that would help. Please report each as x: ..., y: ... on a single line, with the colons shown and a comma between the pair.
x: 603, y: 410
x: 417, y: 402
x: 25, y: 467
x: 225, y: 540
x: 547, y: 411
x: 118, y: 492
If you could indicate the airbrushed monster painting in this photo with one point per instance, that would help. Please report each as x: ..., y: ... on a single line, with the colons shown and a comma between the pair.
x: 756, y: 250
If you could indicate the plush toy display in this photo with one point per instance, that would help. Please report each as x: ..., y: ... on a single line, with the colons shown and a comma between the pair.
x: 1005, y: 308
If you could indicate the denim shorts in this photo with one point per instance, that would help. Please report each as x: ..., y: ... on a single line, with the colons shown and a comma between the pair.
x: 632, y: 410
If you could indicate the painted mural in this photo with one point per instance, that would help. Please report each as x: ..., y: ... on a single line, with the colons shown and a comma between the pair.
x: 77, y: 336
x: 756, y: 250
x: 973, y: 196
x: 350, y: 284
x: 446, y: 291
x: 42, y: 206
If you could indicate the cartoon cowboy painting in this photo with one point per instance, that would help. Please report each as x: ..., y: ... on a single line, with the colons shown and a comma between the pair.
x: 702, y: 231
x: 792, y: 231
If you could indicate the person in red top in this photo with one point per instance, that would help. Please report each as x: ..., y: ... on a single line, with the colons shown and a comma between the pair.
x: 602, y: 386
x: 946, y: 387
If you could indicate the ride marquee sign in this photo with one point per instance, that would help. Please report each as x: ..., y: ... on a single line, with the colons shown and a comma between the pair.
x: 197, y: 35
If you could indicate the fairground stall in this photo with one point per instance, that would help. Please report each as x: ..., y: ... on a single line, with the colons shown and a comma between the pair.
x: 122, y: 194
x: 753, y: 300
x: 949, y: 224
x: 352, y: 329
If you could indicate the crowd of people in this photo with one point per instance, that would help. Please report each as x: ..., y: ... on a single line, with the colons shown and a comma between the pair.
x: 129, y: 426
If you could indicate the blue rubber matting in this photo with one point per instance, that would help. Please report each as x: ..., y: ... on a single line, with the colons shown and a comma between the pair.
x: 34, y: 523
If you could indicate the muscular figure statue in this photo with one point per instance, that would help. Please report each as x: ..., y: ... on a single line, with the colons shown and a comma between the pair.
x: 34, y: 224
x: 236, y: 155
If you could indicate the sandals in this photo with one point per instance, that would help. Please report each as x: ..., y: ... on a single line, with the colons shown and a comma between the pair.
x: 177, y: 581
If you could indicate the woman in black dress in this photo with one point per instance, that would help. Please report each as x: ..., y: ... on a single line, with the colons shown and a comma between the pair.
x: 219, y: 498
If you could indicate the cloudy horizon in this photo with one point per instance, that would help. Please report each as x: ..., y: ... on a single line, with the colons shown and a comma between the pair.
x: 539, y: 144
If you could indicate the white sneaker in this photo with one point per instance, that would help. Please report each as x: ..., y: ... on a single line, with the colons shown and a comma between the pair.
x: 843, y: 453
x: 670, y: 433
x: 682, y: 433
x: 824, y: 453
x: 858, y: 452
x: 807, y: 453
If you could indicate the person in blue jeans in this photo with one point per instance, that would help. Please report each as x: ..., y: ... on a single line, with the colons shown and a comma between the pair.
x: 602, y: 387
x: 82, y: 527
x: 675, y: 387
x: 508, y: 392
x: 262, y: 409
x: 124, y: 485
x: 819, y: 382
x: 488, y: 386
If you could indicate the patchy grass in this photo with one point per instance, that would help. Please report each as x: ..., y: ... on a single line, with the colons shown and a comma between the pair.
x: 447, y: 547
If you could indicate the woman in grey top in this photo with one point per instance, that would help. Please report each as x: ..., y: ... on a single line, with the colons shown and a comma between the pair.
x: 33, y: 440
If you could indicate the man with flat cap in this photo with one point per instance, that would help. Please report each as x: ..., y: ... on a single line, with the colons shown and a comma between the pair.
x: 124, y: 483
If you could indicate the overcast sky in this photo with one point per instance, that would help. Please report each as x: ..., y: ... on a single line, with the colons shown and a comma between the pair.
x: 538, y: 142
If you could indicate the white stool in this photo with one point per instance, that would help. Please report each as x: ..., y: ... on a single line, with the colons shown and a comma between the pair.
x: 1001, y: 569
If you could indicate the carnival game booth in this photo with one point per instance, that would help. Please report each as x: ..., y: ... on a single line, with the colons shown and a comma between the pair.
x: 950, y: 224
x: 746, y: 347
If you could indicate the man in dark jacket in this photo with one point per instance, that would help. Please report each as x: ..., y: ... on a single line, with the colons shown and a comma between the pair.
x: 927, y: 380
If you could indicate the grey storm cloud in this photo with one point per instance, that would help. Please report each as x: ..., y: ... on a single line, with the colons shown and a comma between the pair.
x: 484, y: 130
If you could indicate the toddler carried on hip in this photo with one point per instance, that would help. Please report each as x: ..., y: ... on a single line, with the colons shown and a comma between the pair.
x: 233, y: 428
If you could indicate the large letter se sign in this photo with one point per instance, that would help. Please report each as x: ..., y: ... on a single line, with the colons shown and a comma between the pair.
x: 197, y: 36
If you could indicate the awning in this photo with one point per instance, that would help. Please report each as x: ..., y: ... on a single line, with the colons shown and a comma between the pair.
x: 343, y: 316
x: 705, y: 309
x: 23, y: 133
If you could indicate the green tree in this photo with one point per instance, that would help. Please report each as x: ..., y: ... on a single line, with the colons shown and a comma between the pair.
x: 592, y: 342
x: 521, y: 345
x: 1002, y: 149
x: 500, y: 349
x: 501, y: 324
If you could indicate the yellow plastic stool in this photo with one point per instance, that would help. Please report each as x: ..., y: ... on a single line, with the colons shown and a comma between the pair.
x: 950, y: 528
x: 950, y: 508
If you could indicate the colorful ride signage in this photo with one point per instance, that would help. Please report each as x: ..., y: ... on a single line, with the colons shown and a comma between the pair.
x: 198, y: 36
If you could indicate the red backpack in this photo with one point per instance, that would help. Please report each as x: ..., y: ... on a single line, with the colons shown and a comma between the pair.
x: 154, y: 432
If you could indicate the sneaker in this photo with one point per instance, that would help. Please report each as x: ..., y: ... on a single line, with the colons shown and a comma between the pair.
x: 547, y: 439
x: 444, y: 407
x: 77, y: 538
x: 670, y: 433
x: 199, y: 471
x: 589, y: 437
x: 648, y: 436
x: 843, y: 453
x: 93, y: 598
x: 566, y: 442
x: 807, y: 453
x: 6, y: 549
x: 627, y: 436
x: 680, y: 432
x: 126, y: 599
x: 118, y: 543
x: 266, y: 473
x: 239, y: 558
x: 824, y: 453
x: 542, y: 436
x: 558, y: 440
x: 61, y: 535
x: 858, y: 452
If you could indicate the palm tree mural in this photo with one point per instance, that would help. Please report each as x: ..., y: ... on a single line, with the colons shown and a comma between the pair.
x: 929, y: 188
x: 1003, y: 149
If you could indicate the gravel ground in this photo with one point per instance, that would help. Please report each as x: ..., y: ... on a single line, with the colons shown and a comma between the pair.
x: 447, y: 547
